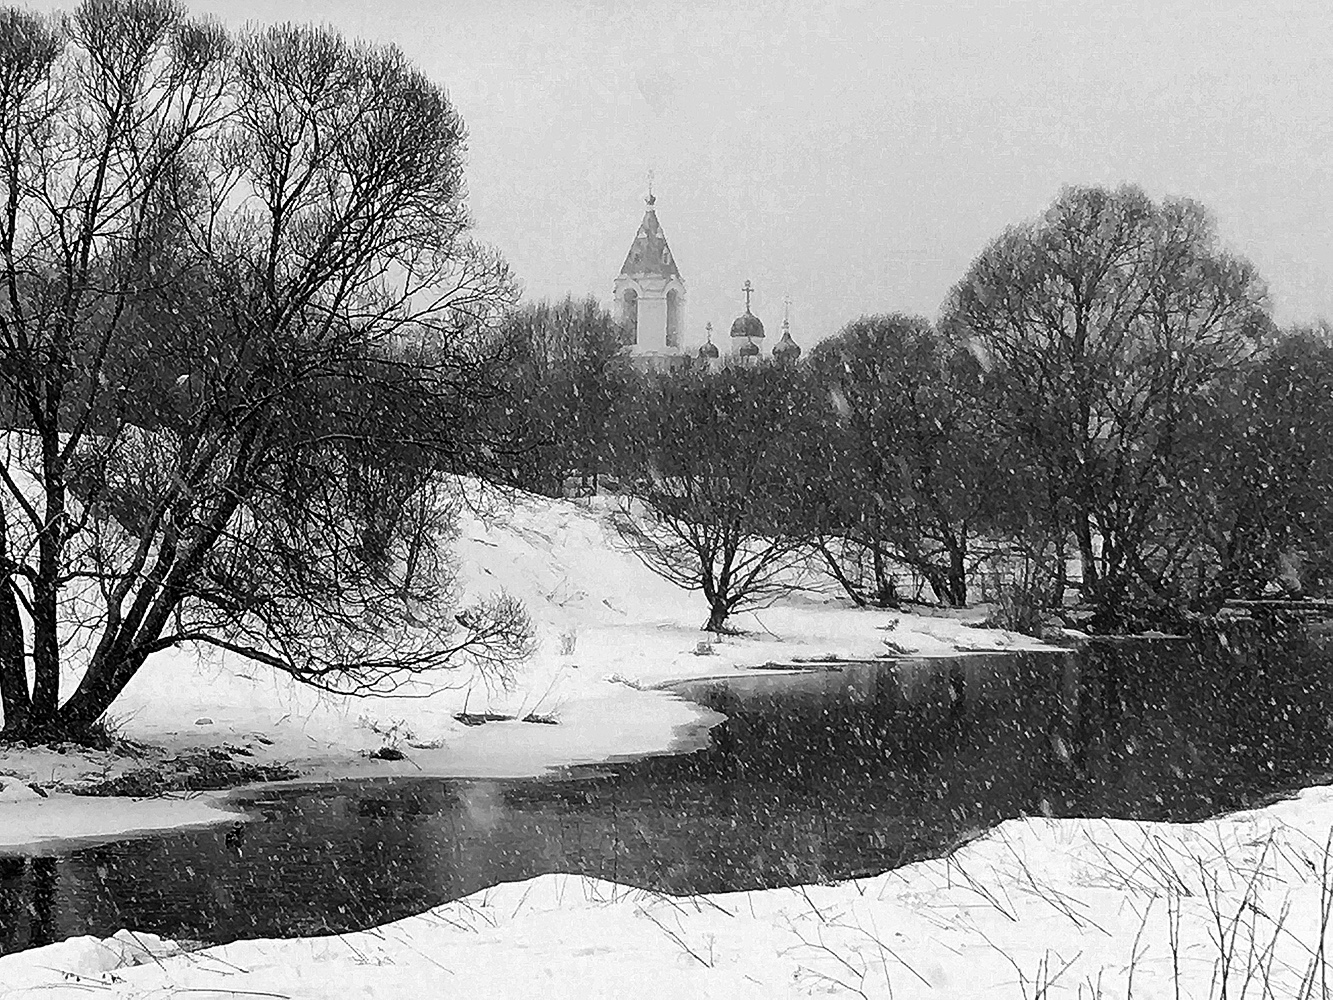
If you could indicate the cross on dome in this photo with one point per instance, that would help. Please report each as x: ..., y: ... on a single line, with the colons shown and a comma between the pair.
x: 747, y: 324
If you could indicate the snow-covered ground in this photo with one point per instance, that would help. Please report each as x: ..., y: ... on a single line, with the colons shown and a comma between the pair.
x: 1232, y: 907
x: 1036, y: 907
x: 608, y: 631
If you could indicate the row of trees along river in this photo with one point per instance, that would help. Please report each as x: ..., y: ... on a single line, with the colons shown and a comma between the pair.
x: 246, y: 344
x: 1103, y: 414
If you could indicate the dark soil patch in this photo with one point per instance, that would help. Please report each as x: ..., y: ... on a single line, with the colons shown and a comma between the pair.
x: 97, y: 738
x: 481, y: 718
x: 193, y: 771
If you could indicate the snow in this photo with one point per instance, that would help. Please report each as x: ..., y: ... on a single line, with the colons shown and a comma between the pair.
x: 37, y: 824
x: 13, y: 790
x: 1074, y: 907
x: 610, y: 635
x: 1078, y: 906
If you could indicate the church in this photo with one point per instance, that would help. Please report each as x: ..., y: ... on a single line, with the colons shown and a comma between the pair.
x: 650, y: 300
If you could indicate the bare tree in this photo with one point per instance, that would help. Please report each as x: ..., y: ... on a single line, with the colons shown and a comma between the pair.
x: 239, y: 309
x: 568, y: 378
x: 1098, y: 322
x: 1261, y: 478
x: 716, y: 502
x: 912, y: 472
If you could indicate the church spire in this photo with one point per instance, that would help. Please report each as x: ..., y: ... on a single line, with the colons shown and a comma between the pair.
x: 649, y: 290
x: 649, y: 254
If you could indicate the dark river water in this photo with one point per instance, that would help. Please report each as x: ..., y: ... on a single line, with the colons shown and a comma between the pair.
x: 813, y: 777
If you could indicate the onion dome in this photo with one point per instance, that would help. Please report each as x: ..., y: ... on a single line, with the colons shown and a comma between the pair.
x: 747, y: 325
x: 709, y: 351
x: 786, y: 348
x: 748, y: 350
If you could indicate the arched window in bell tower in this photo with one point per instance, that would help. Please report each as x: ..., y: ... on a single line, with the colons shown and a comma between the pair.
x: 630, y: 315
x: 673, y: 318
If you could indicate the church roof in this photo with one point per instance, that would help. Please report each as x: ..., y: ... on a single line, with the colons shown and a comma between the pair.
x: 786, y: 347
x: 649, y: 255
x: 747, y: 325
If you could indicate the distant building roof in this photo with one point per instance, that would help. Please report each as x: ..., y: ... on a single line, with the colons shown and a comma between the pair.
x: 649, y: 255
x: 747, y: 325
x: 786, y: 349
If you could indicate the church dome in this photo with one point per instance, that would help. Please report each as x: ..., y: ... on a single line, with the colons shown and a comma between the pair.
x: 708, y: 351
x: 786, y: 349
x: 749, y: 349
x: 747, y: 325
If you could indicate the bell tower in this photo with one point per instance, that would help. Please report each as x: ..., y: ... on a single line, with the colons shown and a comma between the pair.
x: 649, y: 291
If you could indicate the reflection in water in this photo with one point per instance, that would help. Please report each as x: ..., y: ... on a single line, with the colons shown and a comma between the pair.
x: 814, y: 777
x: 27, y: 903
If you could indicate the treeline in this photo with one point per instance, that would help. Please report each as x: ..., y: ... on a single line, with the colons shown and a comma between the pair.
x: 1104, y: 418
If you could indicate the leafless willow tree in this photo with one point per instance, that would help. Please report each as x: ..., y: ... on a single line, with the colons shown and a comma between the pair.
x: 1098, y: 322
x: 568, y: 379
x: 241, y: 332
x: 717, y: 503
x: 912, y: 468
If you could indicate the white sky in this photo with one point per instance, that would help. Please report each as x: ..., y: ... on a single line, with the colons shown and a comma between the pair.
x: 858, y: 155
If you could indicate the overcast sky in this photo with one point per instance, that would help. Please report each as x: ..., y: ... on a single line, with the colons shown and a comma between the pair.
x: 857, y: 156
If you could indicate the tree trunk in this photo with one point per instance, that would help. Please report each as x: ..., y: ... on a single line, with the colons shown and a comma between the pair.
x: 14, y: 696
x: 45, y: 591
x: 1061, y: 580
x: 1083, y: 529
x: 886, y: 594
x: 939, y: 583
x: 831, y: 561
x: 717, y: 617
x: 957, y: 575
x: 102, y: 684
x: 45, y: 648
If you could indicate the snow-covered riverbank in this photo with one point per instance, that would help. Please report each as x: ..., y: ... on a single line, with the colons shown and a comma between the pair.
x: 1036, y: 907
x: 608, y: 631
x: 1052, y: 908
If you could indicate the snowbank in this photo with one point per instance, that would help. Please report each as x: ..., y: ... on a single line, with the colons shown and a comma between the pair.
x: 13, y: 790
x: 36, y: 823
x: 1053, y: 908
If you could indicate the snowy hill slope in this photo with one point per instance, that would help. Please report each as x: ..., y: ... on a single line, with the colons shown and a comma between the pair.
x: 607, y: 631
x: 563, y: 560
